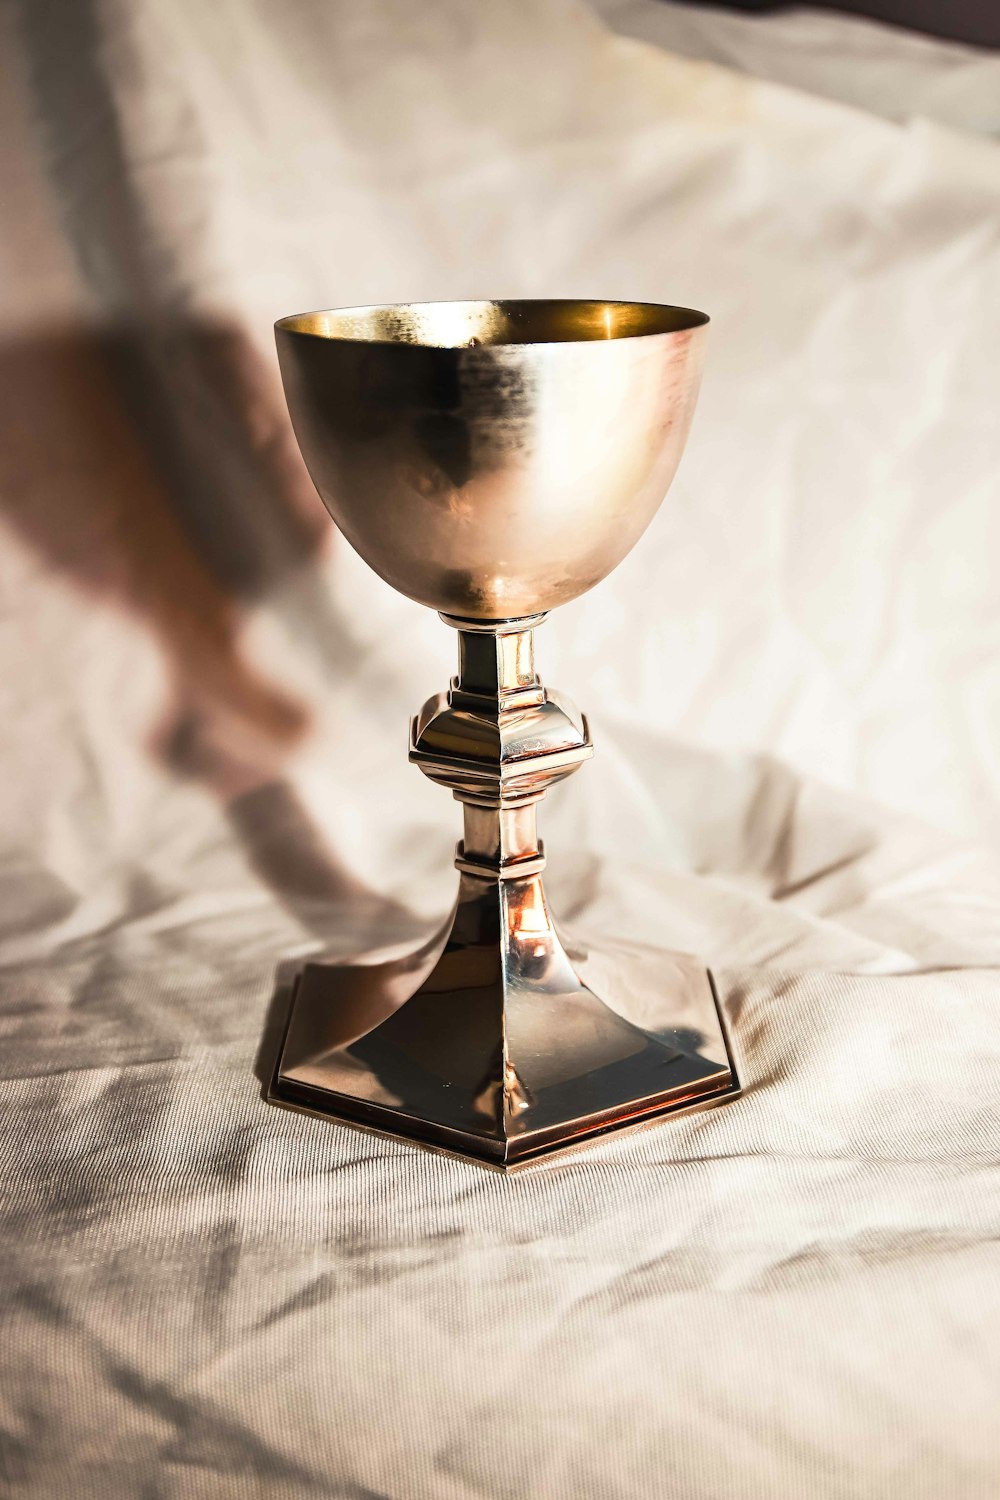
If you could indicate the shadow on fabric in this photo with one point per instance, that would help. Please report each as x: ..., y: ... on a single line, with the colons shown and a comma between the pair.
x: 182, y: 513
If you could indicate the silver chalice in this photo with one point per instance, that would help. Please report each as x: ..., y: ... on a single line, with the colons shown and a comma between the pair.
x: 492, y: 460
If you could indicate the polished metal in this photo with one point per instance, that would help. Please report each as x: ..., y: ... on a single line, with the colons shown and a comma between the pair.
x: 493, y: 460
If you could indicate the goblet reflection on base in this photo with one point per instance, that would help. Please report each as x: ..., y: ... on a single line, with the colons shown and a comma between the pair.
x: 493, y: 460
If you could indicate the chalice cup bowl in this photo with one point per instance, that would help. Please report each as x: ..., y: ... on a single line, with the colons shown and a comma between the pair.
x: 492, y: 460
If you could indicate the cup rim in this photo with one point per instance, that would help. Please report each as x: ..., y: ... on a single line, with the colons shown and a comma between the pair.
x: 410, y: 324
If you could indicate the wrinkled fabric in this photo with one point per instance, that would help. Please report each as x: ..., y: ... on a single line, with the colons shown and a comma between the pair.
x: 886, y: 70
x: 793, y: 684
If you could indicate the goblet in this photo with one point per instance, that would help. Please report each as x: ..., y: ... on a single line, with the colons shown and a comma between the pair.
x: 493, y: 460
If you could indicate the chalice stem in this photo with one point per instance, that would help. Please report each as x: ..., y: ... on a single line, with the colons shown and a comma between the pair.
x: 499, y: 739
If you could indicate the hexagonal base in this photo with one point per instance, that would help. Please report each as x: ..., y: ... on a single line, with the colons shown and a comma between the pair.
x: 455, y: 1050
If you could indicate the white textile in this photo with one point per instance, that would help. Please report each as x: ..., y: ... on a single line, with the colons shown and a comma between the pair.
x: 794, y: 684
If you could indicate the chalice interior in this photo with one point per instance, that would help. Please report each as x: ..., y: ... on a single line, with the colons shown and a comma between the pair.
x: 493, y: 460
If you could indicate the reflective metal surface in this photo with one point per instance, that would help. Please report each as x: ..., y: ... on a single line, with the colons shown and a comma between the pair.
x: 488, y: 1044
x: 498, y: 737
x: 494, y: 459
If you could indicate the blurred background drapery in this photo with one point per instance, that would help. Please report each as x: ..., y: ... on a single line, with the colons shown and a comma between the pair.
x: 795, y: 690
